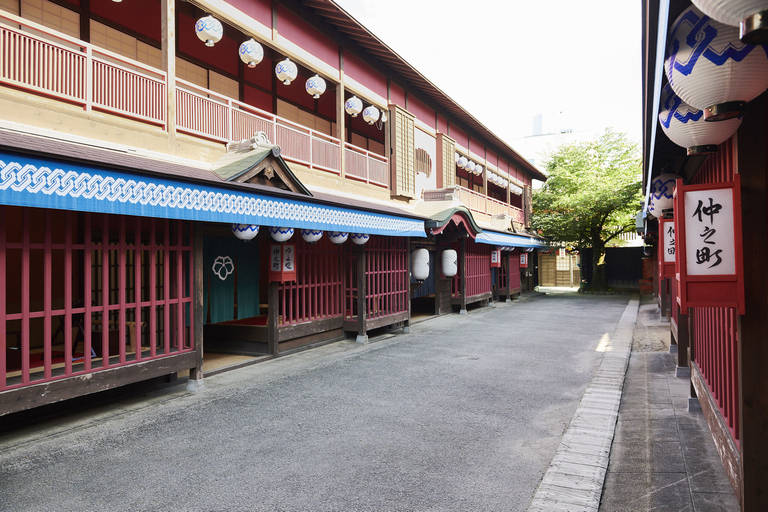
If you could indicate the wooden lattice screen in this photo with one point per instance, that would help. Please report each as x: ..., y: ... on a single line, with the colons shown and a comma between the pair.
x: 67, y: 275
x: 316, y: 293
x: 477, y: 270
x: 386, y: 276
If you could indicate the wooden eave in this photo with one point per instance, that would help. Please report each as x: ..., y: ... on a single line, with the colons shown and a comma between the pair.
x: 260, y: 166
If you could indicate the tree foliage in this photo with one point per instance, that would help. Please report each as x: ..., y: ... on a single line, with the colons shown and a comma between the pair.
x: 591, y: 195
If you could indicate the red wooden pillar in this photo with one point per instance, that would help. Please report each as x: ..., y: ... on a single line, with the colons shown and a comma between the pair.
x: 463, y: 276
x: 196, y: 374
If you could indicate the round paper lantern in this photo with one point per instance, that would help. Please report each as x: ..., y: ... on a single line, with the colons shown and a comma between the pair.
x: 370, y: 114
x: 286, y: 71
x: 470, y: 166
x: 478, y: 169
x: 710, y: 69
x: 315, y: 86
x: 209, y: 30
x: 359, y: 238
x: 662, y: 187
x: 420, y: 264
x: 338, y: 237
x: 311, y: 235
x: 281, y: 234
x: 245, y: 231
x: 450, y: 262
x: 353, y: 106
x: 462, y: 162
x: 251, y: 53
x: 686, y: 127
x: 745, y: 14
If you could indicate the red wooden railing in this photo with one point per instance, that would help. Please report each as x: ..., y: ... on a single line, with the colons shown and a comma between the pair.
x: 86, y: 292
x: 715, y: 353
x: 316, y: 293
x: 74, y: 71
x: 386, y: 276
x: 478, y: 202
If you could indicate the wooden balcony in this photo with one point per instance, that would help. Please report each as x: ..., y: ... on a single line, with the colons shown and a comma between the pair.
x: 43, y: 61
x: 478, y: 202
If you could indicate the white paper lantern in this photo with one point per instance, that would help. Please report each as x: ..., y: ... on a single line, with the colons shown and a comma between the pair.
x: 462, y: 162
x: 719, y: 78
x: 450, y: 262
x: 383, y: 117
x: 338, y: 237
x: 686, y: 127
x: 738, y: 13
x: 359, y: 238
x: 353, y: 106
x: 311, y: 235
x: 315, y: 86
x: 470, y: 166
x: 245, y: 231
x: 286, y: 71
x: 251, y: 53
x: 478, y: 169
x: 370, y: 114
x: 209, y: 30
x: 281, y: 234
x: 662, y: 188
x: 420, y: 264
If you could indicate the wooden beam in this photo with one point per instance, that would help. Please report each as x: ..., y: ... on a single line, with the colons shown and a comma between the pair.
x: 752, y: 349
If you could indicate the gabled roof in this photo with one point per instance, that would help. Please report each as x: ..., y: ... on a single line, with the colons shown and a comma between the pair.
x: 259, y: 162
x: 361, y: 37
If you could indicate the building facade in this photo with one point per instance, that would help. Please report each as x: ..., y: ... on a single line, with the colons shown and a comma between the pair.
x: 188, y: 180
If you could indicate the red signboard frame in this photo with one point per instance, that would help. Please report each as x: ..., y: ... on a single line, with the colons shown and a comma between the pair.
x: 666, y: 269
x: 719, y: 290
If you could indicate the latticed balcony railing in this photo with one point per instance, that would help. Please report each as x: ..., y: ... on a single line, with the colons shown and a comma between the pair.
x: 478, y: 202
x: 43, y: 61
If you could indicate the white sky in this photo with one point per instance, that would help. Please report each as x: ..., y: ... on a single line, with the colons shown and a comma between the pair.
x: 504, y: 61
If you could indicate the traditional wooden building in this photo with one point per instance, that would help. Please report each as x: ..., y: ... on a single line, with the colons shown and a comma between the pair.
x: 705, y: 172
x: 180, y: 180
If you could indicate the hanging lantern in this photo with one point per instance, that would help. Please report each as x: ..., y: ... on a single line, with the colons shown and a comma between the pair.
x: 470, y: 166
x: 420, y: 264
x: 462, y: 162
x: 251, y: 53
x: 748, y: 15
x: 281, y: 234
x: 370, y: 114
x: 478, y: 169
x: 338, y: 237
x: 686, y: 127
x: 311, y: 235
x: 209, y: 30
x: 450, y: 262
x: 245, y: 231
x: 359, y: 238
x: 286, y: 71
x: 662, y: 189
x: 383, y: 117
x: 353, y: 106
x: 315, y: 86
x: 710, y: 69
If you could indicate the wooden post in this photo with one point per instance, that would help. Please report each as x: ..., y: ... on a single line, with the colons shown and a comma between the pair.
x: 196, y: 374
x: 273, y: 310
x: 168, y: 32
x: 683, y: 367
x: 341, y: 129
x: 752, y: 349
x: 362, y: 291
x: 463, y: 276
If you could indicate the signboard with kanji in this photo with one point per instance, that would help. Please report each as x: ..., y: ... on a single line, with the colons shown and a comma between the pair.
x: 708, y: 228
x: 496, y: 258
x: 524, y: 260
x: 282, y: 263
x: 667, y: 248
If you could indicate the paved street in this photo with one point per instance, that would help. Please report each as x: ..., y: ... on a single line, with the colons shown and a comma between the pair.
x: 464, y: 413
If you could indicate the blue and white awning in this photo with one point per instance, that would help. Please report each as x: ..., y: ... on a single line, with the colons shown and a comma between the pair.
x: 494, y: 238
x: 43, y: 183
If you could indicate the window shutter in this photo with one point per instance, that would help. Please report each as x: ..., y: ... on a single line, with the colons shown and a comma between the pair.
x: 403, y: 166
x: 446, y: 165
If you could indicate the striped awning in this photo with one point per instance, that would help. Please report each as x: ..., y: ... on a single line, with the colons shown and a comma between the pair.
x: 46, y: 183
x: 502, y: 239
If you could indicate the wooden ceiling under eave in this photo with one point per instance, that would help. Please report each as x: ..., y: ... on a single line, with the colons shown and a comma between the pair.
x: 345, y: 24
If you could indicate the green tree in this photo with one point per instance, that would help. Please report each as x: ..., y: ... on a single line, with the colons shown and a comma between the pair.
x: 591, y: 196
